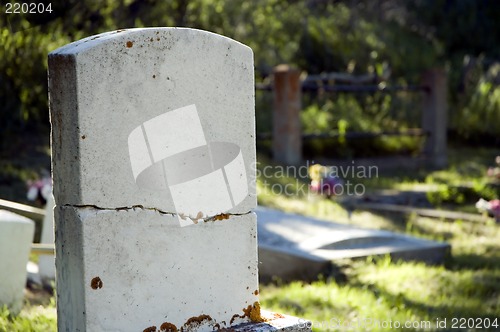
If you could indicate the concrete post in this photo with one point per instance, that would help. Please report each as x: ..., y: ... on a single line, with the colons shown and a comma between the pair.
x: 434, y: 116
x: 287, y: 134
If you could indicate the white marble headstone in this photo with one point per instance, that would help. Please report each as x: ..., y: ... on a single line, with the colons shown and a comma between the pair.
x: 16, y: 236
x: 153, y: 148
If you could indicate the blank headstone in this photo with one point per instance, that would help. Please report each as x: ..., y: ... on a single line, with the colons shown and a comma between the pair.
x: 16, y: 235
x: 153, y: 132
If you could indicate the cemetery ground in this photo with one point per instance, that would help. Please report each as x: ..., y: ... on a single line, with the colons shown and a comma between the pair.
x: 377, y: 288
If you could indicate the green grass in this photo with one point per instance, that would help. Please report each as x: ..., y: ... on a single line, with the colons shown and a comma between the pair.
x: 34, y: 317
x: 466, y: 286
x: 382, y: 290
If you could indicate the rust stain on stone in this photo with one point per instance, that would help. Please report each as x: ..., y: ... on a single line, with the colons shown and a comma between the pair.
x: 277, y: 315
x: 253, y: 312
x: 130, y: 44
x: 256, y: 292
x: 150, y: 329
x: 168, y: 327
x: 96, y: 283
x: 234, y: 317
x: 221, y: 216
x: 194, y: 322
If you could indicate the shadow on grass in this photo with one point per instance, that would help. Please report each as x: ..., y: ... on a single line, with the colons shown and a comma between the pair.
x: 474, y: 262
x: 403, y: 303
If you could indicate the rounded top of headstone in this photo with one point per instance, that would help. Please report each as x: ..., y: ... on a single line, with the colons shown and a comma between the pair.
x: 129, y: 107
x: 129, y: 39
x: 7, y: 216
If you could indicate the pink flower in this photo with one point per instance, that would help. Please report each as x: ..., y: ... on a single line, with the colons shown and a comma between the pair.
x: 326, y: 186
x: 492, y: 206
x: 495, y: 207
x: 490, y: 172
x: 315, y: 186
x: 41, y: 187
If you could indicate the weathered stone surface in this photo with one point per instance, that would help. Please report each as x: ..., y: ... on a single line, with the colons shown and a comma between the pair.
x: 111, y: 96
x: 16, y: 235
x: 137, y: 268
x: 297, y: 247
x: 153, y: 130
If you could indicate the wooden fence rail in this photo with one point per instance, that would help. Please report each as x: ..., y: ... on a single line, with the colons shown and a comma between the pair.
x: 287, y: 87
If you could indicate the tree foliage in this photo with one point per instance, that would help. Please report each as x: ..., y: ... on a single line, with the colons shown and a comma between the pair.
x: 356, y: 36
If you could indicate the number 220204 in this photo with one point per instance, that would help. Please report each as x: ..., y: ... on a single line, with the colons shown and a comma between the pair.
x: 28, y: 8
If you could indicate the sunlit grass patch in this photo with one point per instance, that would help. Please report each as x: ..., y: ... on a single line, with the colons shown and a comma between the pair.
x: 382, y: 290
x: 467, y: 285
x: 31, y: 318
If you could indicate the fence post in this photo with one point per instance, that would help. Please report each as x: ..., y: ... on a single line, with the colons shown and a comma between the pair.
x: 434, y: 116
x: 287, y: 134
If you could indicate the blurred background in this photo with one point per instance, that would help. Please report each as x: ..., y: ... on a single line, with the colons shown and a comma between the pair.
x: 389, y: 42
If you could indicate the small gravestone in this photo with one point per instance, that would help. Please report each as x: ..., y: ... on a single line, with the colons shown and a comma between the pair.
x: 16, y: 235
x: 153, y: 139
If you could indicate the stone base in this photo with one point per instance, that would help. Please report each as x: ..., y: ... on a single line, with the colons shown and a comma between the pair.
x: 274, y: 322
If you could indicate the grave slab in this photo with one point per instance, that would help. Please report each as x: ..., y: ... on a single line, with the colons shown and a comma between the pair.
x: 298, y: 247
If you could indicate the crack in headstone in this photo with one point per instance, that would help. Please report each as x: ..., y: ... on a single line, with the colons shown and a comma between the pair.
x: 213, y: 218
